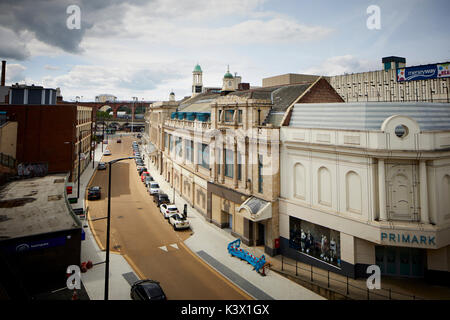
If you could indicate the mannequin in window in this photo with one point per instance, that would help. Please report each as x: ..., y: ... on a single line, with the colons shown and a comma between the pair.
x: 302, y: 240
x: 332, y: 249
x: 308, y: 242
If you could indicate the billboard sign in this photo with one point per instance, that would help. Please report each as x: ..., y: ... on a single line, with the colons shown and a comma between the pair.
x: 430, y: 71
x: 417, y: 73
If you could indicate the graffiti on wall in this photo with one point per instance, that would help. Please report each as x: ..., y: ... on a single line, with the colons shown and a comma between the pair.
x: 30, y: 170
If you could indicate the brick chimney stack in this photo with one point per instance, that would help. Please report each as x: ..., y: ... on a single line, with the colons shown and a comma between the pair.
x: 3, y: 73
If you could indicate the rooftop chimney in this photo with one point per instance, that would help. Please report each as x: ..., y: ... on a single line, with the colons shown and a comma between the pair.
x: 3, y: 73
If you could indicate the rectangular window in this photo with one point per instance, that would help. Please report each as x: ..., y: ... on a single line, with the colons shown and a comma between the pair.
x: 203, y: 155
x: 240, y: 116
x: 220, y: 114
x: 171, y: 143
x: 189, y: 155
x: 229, y: 163
x: 314, y: 240
x: 260, y: 176
x: 229, y: 115
x: 179, y: 147
x: 166, y: 142
x: 239, y: 159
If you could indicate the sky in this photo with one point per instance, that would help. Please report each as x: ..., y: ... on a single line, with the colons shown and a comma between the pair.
x: 148, y: 48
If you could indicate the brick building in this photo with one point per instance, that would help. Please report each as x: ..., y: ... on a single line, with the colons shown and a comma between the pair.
x: 49, y: 134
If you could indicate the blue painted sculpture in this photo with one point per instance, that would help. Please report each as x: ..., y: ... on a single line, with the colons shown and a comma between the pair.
x: 235, y: 250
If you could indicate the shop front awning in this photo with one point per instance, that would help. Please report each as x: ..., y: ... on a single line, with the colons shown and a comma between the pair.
x: 255, y: 209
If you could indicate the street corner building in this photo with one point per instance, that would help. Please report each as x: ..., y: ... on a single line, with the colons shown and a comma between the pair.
x: 219, y: 149
x: 40, y: 236
x: 367, y: 183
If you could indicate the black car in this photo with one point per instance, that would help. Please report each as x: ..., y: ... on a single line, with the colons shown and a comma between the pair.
x: 139, y: 135
x: 101, y: 166
x: 160, y: 198
x: 147, y: 290
x: 94, y: 193
x: 141, y: 170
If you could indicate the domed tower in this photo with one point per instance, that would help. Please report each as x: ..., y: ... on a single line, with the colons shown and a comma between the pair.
x: 197, y: 82
x: 228, y: 81
x: 172, y: 96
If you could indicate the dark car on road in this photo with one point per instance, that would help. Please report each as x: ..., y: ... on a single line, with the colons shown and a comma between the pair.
x: 147, y: 290
x: 119, y: 141
x: 101, y: 166
x: 160, y: 198
x: 141, y: 170
x: 94, y: 193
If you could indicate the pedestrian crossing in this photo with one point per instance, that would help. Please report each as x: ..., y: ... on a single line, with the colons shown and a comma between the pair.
x: 166, y: 249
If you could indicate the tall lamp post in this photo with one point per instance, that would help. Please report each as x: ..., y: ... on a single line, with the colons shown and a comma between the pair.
x: 108, y: 224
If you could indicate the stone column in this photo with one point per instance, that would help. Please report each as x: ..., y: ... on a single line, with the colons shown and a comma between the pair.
x: 195, y: 155
x: 424, y: 215
x: 382, y: 190
x: 235, y: 164
x: 222, y: 165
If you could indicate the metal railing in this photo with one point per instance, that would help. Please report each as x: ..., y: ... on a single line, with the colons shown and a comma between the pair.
x: 8, y: 161
x: 338, y: 283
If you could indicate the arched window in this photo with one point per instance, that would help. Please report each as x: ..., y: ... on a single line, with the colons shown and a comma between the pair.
x: 324, y: 187
x: 353, y: 192
x: 299, y: 181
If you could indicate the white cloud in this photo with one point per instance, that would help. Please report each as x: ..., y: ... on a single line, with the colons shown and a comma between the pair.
x: 51, y: 68
x: 15, y: 73
x: 340, y: 65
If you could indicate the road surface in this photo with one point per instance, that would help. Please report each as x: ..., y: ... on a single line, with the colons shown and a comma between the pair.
x: 140, y: 232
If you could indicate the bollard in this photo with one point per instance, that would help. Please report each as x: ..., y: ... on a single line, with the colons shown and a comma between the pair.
x: 348, y: 292
x: 368, y: 294
x: 328, y: 278
x: 390, y: 297
x: 282, y: 263
x: 312, y: 280
x: 296, y: 268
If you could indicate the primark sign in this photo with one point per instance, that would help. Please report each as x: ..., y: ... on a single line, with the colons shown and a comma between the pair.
x: 430, y: 71
x: 394, y: 238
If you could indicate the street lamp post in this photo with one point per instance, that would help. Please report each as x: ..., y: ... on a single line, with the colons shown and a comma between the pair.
x: 108, y: 225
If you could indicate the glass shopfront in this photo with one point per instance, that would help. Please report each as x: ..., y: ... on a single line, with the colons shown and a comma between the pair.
x: 400, y: 261
x: 314, y: 240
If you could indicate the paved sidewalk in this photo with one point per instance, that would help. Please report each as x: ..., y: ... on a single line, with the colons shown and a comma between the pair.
x: 119, y: 269
x: 210, y: 243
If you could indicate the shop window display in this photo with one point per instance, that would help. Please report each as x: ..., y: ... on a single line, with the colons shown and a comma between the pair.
x: 314, y: 240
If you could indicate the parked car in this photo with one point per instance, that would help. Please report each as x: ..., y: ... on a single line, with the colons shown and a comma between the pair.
x: 153, y: 188
x: 148, y: 179
x: 168, y: 209
x: 119, y: 141
x: 178, y: 221
x: 141, y: 169
x: 144, y: 174
x: 147, y: 290
x: 94, y: 193
x: 107, y: 153
x: 139, y: 135
x: 101, y: 166
x: 161, y: 198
